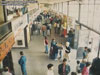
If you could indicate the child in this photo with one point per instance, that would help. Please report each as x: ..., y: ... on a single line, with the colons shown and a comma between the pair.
x: 50, y: 69
x: 78, y: 67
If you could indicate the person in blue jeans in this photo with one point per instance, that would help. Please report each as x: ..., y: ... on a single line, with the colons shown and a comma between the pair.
x: 22, y: 63
x: 46, y: 45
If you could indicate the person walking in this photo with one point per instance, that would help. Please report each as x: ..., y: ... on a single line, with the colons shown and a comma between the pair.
x: 55, y: 27
x: 70, y: 37
x: 48, y: 29
x: 6, y: 71
x: 50, y: 69
x: 78, y: 70
x: 64, y: 68
x: 46, y: 45
x: 22, y: 63
x: 39, y: 28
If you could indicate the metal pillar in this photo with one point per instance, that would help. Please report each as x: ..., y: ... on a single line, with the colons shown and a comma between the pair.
x: 62, y: 7
x: 68, y: 8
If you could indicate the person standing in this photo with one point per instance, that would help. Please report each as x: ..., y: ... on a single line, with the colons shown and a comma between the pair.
x: 22, y: 63
x: 51, y: 49
x: 55, y: 27
x: 6, y: 71
x: 50, y: 69
x: 61, y: 51
x: 55, y: 49
x: 46, y: 45
x: 44, y: 30
x: 50, y: 27
x: 85, y: 53
x: 64, y: 68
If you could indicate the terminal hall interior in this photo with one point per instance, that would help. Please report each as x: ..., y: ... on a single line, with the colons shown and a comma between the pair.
x: 50, y: 37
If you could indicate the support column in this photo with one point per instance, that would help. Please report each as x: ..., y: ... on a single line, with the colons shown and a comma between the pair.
x: 68, y: 8
x: 3, y: 14
x: 77, y: 28
x: 62, y: 7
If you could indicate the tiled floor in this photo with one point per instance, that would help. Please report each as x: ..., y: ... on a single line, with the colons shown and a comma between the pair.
x: 37, y: 60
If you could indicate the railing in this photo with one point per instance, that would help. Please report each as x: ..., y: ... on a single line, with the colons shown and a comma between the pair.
x: 5, y: 29
x: 81, y: 24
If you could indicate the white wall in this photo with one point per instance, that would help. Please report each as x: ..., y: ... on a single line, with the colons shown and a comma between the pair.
x: 65, y: 8
x: 18, y: 26
x: 90, y: 16
x: 20, y: 37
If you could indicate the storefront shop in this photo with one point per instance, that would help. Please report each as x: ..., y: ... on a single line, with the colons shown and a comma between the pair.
x: 20, y: 31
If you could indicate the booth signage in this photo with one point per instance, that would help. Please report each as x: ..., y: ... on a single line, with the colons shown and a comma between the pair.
x: 19, y: 24
x: 6, y: 46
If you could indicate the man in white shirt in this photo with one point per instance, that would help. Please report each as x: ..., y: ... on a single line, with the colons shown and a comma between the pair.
x: 50, y: 69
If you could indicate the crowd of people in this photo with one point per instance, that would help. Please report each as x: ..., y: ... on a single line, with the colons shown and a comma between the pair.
x: 62, y: 50
x: 48, y: 21
x: 44, y: 24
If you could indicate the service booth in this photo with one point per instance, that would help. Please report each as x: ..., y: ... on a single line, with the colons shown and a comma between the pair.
x: 21, y: 32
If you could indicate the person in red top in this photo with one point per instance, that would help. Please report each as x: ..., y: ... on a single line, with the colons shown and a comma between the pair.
x: 46, y: 45
x: 85, y: 70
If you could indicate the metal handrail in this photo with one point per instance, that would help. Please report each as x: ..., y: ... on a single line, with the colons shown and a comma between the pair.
x: 81, y: 24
